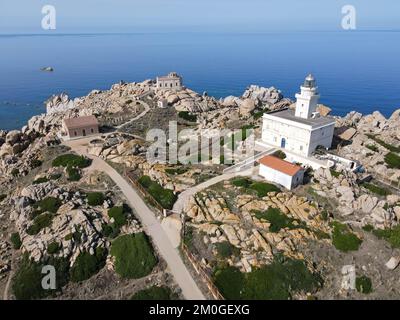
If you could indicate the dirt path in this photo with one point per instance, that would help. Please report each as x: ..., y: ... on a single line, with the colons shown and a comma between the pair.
x: 152, y: 226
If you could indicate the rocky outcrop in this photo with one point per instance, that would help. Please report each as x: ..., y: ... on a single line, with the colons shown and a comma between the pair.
x: 263, y: 95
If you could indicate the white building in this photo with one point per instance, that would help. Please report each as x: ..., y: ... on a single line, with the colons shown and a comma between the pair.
x: 281, y: 172
x: 172, y: 81
x: 301, y: 130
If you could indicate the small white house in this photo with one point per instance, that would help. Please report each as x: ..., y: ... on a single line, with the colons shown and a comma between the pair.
x: 162, y: 103
x: 281, y: 172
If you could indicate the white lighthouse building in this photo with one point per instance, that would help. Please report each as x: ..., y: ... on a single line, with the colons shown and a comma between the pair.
x: 301, y: 130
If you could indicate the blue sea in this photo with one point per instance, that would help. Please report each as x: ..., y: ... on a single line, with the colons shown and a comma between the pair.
x: 357, y: 70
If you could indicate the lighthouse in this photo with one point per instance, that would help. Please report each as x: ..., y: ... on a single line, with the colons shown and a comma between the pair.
x: 307, y: 99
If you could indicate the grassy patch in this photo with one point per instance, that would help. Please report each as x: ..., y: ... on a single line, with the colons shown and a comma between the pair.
x: 87, y: 265
x: 390, y: 235
x: 388, y: 146
x: 27, y: 281
x: 226, y: 249
x: 343, y: 239
x: 95, y: 198
x: 277, y: 218
x: 119, y: 215
x: 364, y: 284
x: 16, y: 240
x: 53, y: 248
x: 165, y: 197
x: 392, y: 160
x: 134, y: 257
x: 153, y: 293
x: 335, y: 173
x: 261, y: 188
x: 42, y: 221
x: 71, y: 160
x: 49, y: 204
x: 376, y: 189
x: 186, y: 115
x: 372, y: 147
x: 40, y: 180
x: 176, y: 171
x: 277, y: 281
x: 73, y: 174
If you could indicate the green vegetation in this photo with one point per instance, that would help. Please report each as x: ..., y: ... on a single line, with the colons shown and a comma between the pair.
x: 87, y: 265
x: 71, y: 160
x: 153, y: 293
x: 16, y: 240
x: 226, y: 249
x: 335, y: 173
x: 368, y: 228
x: 364, y: 284
x: 35, y: 163
x: 279, y: 154
x: 376, y: 189
x: 372, y: 147
x: 55, y: 176
x: 2, y: 197
x: 165, y: 197
x: 392, y: 160
x: 15, y: 172
x: 186, y: 115
x: 134, y: 257
x: 27, y: 281
x: 276, y: 281
x: 95, y: 198
x: 53, y: 248
x: 49, y: 204
x: 262, y: 188
x: 188, y: 239
x: 119, y: 215
x: 277, y: 218
x: 343, y: 239
x: 390, y: 235
x: 257, y: 115
x: 73, y: 174
x: 388, y: 146
x: 40, y: 180
x: 42, y: 221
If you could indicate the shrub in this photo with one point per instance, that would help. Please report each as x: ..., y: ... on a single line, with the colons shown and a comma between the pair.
x: 335, y: 173
x: 14, y: 172
x: 176, y: 171
x: 343, y: 239
x: 165, y: 197
x: 27, y: 281
x: 276, y: 281
x: 376, y: 189
x: 134, y: 257
x: 277, y: 219
x: 279, y: 154
x: 35, y: 163
x: 49, y: 204
x: 119, y: 216
x: 95, y: 198
x: 40, y: 180
x: 226, y: 249
x: 153, y: 293
x: 392, y: 160
x: 372, y: 147
x: 241, y: 182
x: 368, y: 228
x: 364, y: 285
x: 73, y: 174
x: 263, y: 188
x: 16, y: 240
x: 186, y: 115
x: 388, y: 146
x: 87, y: 265
x: 390, y: 235
x: 71, y: 160
x: 53, y: 248
x: 2, y: 197
x: 55, y: 176
x: 40, y: 222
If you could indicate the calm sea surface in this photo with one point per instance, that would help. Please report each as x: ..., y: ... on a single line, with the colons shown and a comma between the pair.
x: 355, y: 70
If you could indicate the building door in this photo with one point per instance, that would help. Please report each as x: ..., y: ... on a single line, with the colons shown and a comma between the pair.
x: 84, y: 132
x: 283, y: 143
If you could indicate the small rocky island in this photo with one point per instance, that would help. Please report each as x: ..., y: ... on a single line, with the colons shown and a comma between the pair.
x: 337, y: 234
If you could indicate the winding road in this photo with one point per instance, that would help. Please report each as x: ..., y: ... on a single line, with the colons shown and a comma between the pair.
x: 171, y: 255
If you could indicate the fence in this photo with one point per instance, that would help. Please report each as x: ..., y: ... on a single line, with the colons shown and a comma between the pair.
x: 200, y: 271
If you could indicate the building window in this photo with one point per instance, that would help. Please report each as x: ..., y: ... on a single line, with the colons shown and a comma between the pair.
x: 275, y: 139
x: 75, y: 133
x: 301, y: 148
x: 91, y: 130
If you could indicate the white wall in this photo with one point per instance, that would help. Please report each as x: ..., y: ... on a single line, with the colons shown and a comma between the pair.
x: 276, y: 176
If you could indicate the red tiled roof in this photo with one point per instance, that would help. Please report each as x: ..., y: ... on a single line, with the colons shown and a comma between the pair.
x: 280, y: 165
x: 74, y: 123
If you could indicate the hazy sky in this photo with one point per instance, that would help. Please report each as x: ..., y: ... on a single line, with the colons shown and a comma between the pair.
x: 196, y: 15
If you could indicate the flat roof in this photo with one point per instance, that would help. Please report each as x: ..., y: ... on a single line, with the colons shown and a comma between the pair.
x: 278, y: 164
x: 74, y: 123
x: 289, y: 114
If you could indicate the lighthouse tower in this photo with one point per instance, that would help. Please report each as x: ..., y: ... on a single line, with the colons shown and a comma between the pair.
x: 307, y: 100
